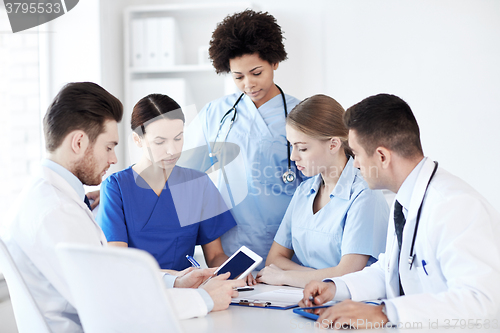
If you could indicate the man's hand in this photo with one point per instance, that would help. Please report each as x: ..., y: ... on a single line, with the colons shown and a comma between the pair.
x: 349, y: 314
x: 193, y: 277
x: 320, y: 292
x: 271, y: 274
x: 183, y: 272
x: 221, y: 290
x: 96, y: 196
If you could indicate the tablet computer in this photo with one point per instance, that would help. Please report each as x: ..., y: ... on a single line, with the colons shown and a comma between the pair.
x: 240, y: 264
x: 312, y: 312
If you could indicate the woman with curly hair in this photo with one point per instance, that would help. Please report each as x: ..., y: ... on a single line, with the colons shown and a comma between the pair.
x: 249, y: 46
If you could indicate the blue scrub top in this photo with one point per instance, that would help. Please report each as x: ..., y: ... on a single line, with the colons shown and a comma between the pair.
x: 353, y: 222
x: 257, y: 180
x: 188, y: 212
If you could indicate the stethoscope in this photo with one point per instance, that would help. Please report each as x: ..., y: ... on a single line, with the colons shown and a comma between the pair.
x: 288, y: 176
x: 412, y: 255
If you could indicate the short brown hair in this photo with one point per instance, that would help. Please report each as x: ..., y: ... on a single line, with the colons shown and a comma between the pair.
x: 79, y: 106
x: 386, y: 121
x: 247, y: 32
x: 320, y: 117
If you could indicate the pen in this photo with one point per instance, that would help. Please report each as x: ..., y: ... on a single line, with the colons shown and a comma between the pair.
x: 311, y: 299
x: 423, y: 266
x: 193, y: 261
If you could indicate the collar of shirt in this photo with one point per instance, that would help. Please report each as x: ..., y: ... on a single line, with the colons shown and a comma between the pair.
x: 67, y: 175
x: 344, y: 185
x: 406, y: 189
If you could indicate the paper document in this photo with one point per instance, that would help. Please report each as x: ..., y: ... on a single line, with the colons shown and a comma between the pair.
x: 280, y: 298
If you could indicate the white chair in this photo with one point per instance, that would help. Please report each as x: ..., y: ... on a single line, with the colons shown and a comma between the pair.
x: 28, y: 316
x: 117, y: 289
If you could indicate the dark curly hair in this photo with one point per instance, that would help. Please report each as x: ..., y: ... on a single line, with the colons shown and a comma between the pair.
x: 247, y: 32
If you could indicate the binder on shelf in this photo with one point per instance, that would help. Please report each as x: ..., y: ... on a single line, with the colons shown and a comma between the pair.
x: 155, y: 43
x: 167, y: 42
x: 137, y: 44
x: 152, y: 37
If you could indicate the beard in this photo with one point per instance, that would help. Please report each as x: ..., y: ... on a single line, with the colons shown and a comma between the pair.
x: 86, y: 169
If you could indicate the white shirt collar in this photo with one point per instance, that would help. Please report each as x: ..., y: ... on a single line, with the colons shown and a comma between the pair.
x: 67, y: 175
x: 406, y: 190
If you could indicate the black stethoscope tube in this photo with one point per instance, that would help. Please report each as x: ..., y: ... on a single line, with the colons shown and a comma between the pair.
x: 289, y: 176
x: 412, y: 255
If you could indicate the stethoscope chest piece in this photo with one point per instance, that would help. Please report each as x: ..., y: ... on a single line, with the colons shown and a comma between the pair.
x: 289, y: 177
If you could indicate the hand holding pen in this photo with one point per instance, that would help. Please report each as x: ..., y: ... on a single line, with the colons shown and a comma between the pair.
x: 317, y: 293
x: 195, y: 264
x: 193, y: 277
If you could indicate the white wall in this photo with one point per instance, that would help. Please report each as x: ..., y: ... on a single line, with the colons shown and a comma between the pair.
x: 20, y: 120
x: 441, y: 56
x: 74, y: 46
x: 112, y: 61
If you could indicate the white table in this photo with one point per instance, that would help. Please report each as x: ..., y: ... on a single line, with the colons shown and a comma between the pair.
x: 243, y: 319
x: 240, y: 319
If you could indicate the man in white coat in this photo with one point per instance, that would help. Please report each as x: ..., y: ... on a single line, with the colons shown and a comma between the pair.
x: 81, y: 133
x: 442, y: 272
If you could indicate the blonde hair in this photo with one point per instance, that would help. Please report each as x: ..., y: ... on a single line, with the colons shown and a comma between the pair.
x: 320, y: 117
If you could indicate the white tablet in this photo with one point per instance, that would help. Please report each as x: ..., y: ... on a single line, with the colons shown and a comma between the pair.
x: 240, y: 264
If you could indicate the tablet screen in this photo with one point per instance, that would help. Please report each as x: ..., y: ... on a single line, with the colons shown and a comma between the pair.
x: 237, y: 265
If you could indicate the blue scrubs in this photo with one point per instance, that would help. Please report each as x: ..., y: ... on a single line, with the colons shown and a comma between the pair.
x: 188, y: 212
x: 260, y: 197
x: 353, y: 222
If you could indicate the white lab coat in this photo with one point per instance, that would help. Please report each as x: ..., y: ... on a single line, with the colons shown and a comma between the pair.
x: 458, y: 238
x: 49, y: 212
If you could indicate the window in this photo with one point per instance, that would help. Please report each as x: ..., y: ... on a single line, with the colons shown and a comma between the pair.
x: 20, y: 120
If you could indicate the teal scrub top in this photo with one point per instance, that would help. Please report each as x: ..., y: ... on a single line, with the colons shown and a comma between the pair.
x: 255, y: 176
x: 188, y: 212
x: 353, y: 222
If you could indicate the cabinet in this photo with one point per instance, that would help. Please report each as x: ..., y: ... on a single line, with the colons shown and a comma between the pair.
x: 183, y: 52
x: 166, y: 51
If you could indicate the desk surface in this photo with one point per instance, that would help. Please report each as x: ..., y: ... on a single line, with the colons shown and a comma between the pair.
x: 250, y: 320
x: 244, y: 319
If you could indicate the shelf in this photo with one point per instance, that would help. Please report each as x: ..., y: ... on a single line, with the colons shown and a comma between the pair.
x: 174, y: 69
x: 187, y: 80
x: 159, y: 9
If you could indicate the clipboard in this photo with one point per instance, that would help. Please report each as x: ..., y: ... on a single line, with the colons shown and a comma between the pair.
x: 306, y: 312
x: 303, y: 311
x: 281, y: 299
x: 265, y: 304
